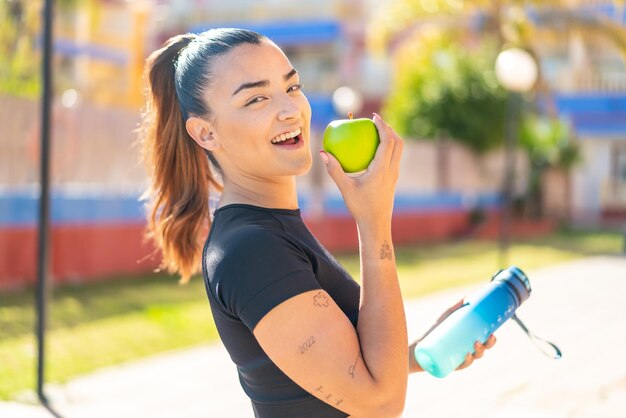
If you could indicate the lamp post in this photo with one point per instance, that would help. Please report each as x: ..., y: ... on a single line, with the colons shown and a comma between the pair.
x: 516, y: 71
x: 43, y: 249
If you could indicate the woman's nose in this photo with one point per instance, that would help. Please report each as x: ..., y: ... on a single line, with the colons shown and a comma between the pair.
x: 289, y: 109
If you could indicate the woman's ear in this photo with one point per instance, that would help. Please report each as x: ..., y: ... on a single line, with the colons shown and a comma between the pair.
x: 202, y: 132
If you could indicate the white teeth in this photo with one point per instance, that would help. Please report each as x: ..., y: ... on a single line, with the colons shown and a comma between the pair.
x: 283, y: 137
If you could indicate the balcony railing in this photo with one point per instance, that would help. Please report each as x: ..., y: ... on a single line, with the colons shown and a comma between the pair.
x: 601, y: 81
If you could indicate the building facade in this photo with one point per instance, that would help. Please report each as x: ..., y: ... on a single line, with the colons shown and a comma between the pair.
x: 587, y: 76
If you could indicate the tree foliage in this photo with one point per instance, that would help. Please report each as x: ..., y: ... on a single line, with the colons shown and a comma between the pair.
x: 522, y: 23
x: 21, y: 24
x: 444, y: 90
x: 511, y: 21
x: 19, y: 68
x: 548, y: 142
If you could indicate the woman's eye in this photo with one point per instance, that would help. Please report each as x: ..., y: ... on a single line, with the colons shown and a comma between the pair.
x: 295, y: 87
x: 255, y: 100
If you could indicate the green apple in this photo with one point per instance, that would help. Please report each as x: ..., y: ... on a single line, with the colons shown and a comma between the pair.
x: 353, y: 142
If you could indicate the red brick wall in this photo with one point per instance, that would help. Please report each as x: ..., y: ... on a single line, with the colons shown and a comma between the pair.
x: 91, y: 253
x: 78, y: 253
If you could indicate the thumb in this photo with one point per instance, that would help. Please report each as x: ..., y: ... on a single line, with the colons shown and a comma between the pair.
x: 451, y: 310
x: 334, y: 168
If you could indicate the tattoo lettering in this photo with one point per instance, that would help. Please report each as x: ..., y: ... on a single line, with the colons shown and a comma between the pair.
x: 353, y: 366
x: 385, y: 251
x: 321, y: 300
x: 327, y: 397
x: 307, y: 344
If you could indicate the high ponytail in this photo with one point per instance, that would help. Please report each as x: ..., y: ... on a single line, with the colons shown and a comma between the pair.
x: 179, y: 172
x: 178, y: 169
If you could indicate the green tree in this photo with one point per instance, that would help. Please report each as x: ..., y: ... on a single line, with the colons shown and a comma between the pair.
x: 511, y: 21
x: 521, y: 23
x: 20, y: 31
x: 548, y: 143
x: 442, y: 90
x: 19, y: 68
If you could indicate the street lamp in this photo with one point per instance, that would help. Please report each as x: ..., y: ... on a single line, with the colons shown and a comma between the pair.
x: 346, y: 99
x: 516, y: 71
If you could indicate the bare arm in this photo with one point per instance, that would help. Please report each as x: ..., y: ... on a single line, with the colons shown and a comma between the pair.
x: 382, y: 322
x: 364, y: 371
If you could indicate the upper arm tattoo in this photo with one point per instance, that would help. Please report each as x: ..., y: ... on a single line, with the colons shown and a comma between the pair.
x: 353, y: 366
x: 328, y: 396
x: 307, y: 344
x: 320, y: 299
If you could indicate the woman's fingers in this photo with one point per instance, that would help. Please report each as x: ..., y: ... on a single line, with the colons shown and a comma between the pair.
x: 443, y: 317
x: 334, y: 170
x: 479, y: 351
x: 389, y: 136
x: 396, y: 155
x: 468, y: 361
x: 387, y: 143
x: 450, y: 310
x: 490, y: 341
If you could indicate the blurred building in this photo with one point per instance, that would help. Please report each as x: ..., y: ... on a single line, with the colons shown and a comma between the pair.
x: 588, y: 77
x: 100, y: 50
x: 581, y: 45
x: 101, y: 46
x: 105, y: 44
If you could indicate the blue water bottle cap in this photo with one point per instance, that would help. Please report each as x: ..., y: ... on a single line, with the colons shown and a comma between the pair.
x: 516, y: 278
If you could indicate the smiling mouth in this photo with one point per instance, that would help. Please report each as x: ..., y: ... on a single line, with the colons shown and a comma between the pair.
x: 288, y: 138
x: 291, y: 141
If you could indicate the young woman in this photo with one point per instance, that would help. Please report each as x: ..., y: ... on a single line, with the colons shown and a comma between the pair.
x: 306, y: 339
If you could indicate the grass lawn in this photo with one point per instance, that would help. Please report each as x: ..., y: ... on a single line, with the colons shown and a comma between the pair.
x: 108, y: 323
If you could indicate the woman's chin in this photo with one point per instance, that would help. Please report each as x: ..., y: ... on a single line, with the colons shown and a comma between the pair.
x: 306, y: 166
x: 302, y: 166
x: 303, y: 172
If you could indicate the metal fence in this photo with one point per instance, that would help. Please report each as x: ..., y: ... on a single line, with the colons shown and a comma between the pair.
x: 91, y: 145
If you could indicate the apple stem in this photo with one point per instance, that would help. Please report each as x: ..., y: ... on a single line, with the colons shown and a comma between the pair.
x: 350, y: 115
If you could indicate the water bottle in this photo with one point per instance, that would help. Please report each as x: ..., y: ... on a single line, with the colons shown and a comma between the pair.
x: 445, y: 347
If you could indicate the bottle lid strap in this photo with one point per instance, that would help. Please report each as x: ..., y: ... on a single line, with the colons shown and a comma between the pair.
x: 553, y: 352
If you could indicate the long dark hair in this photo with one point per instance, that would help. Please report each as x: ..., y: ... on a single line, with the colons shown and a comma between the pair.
x: 178, y: 75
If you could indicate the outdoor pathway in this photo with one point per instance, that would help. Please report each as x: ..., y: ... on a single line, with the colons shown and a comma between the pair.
x: 580, y: 305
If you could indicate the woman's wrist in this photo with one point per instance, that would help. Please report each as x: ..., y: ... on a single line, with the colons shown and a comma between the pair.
x: 374, y: 229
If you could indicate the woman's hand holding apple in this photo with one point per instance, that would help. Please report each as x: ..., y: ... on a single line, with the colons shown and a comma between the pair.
x: 369, y: 196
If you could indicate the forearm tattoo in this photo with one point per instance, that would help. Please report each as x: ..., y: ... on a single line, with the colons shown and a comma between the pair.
x: 328, y: 397
x: 321, y: 300
x: 385, y: 251
x: 352, y: 367
x: 307, y: 344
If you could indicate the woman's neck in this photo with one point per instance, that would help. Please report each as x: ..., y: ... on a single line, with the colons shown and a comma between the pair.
x: 268, y: 194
